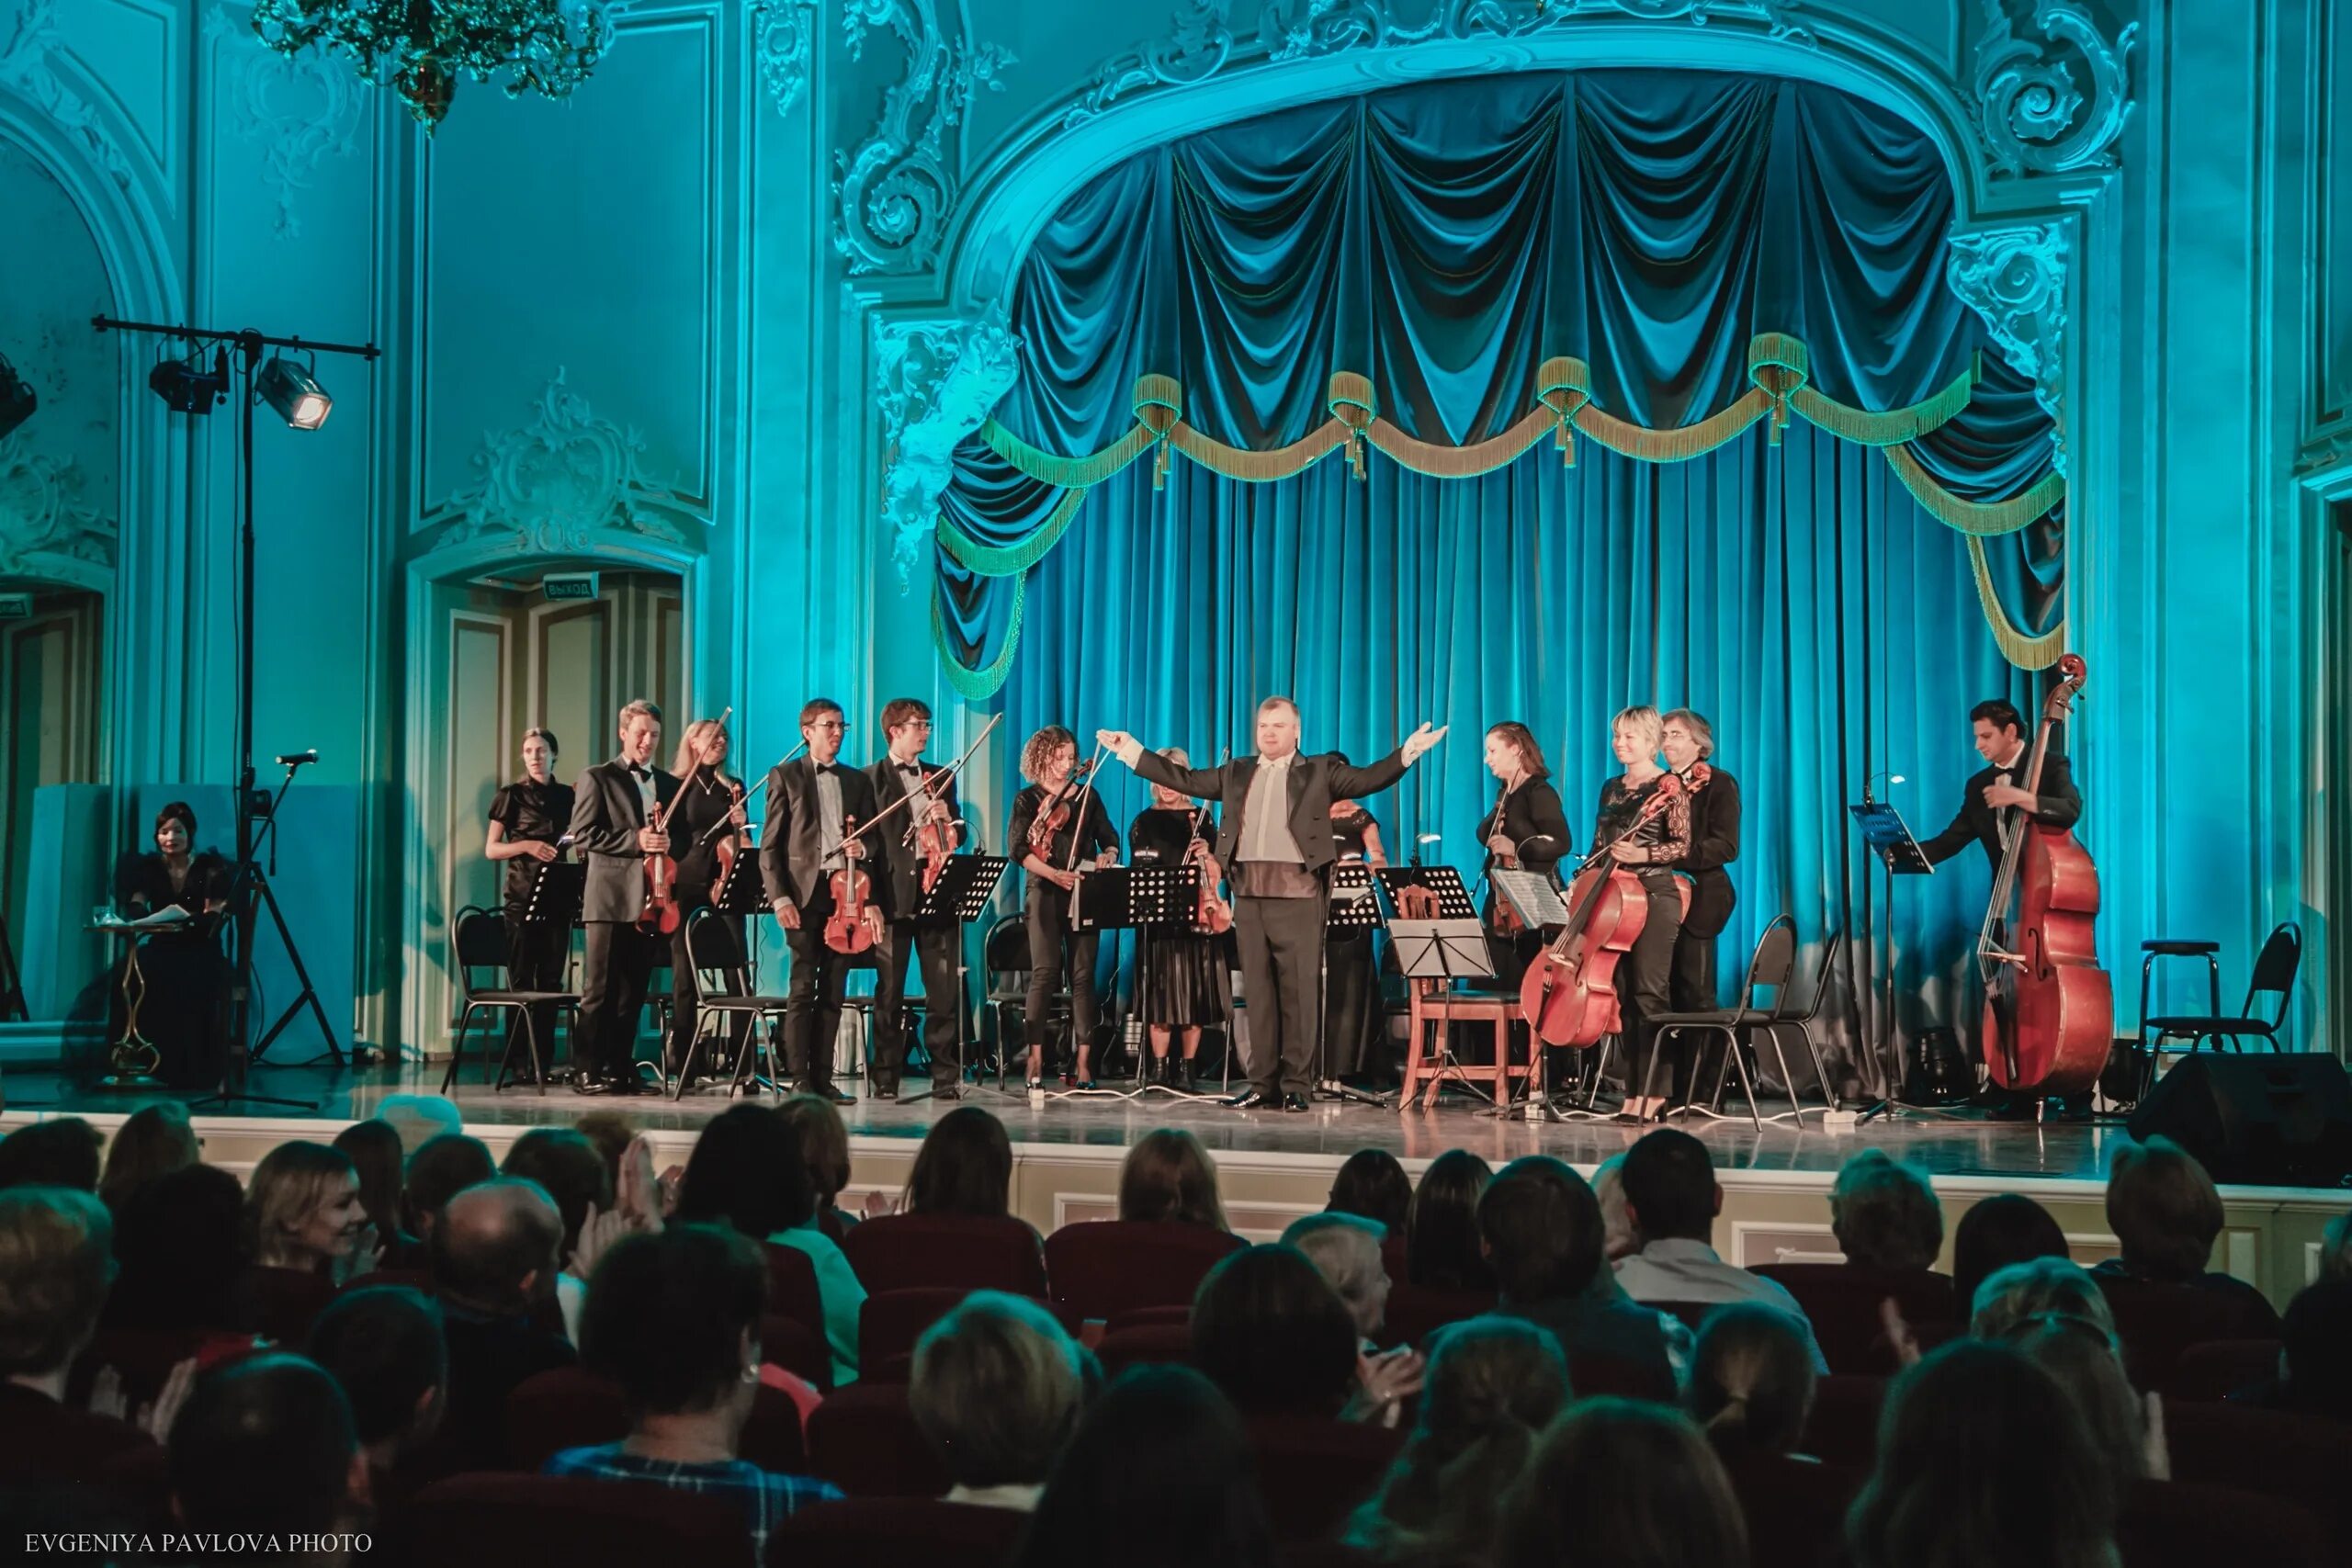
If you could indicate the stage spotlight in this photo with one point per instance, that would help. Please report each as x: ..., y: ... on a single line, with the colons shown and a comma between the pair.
x: 17, y: 398
x: 186, y: 386
x: 295, y: 393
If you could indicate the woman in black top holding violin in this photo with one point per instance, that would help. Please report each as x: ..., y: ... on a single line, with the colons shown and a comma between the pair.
x: 1645, y: 825
x: 1690, y: 747
x: 1527, y: 830
x: 528, y: 819
x: 184, y: 975
x: 1058, y: 825
x: 707, y: 812
x: 1182, y: 978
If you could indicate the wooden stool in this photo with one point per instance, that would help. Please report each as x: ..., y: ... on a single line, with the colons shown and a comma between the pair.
x: 1441, y: 1009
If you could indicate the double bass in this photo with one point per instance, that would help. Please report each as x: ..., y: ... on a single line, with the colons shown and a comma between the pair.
x: 1568, y: 996
x: 2049, y: 1007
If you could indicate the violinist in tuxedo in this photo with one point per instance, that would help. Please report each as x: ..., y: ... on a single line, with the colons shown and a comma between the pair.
x: 906, y: 725
x: 1527, y: 830
x: 1995, y: 793
x: 612, y: 813
x: 1274, y: 838
x: 815, y: 803
x: 1687, y: 740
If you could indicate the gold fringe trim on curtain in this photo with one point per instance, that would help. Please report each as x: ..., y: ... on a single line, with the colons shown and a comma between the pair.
x: 1864, y: 428
x: 1682, y: 442
x: 2024, y: 651
x: 1982, y: 518
x: 1464, y: 462
x: 978, y: 686
x: 1004, y: 560
x: 1065, y: 473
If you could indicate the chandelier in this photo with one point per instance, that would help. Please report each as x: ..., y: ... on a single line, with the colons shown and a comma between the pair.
x: 420, y: 48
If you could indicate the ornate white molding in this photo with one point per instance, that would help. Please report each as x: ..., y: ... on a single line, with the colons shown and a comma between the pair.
x: 783, y: 37
x: 27, y: 37
x: 936, y: 382
x: 2055, y: 103
x: 301, y: 109
x: 44, y: 522
x: 556, y: 483
x: 2014, y: 275
x: 1202, y: 41
x: 895, y: 192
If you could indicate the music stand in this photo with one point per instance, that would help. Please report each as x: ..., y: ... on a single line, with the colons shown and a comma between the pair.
x: 1886, y: 835
x: 740, y: 891
x: 1352, y: 907
x: 1126, y: 897
x: 555, y: 897
x: 960, y: 896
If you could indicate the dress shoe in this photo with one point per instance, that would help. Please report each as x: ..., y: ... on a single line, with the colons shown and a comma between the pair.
x: 833, y: 1093
x: 1253, y: 1099
x: 589, y: 1085
x: 947, y: 1091
x: 1294, y: 1104
x: 886, y: 1092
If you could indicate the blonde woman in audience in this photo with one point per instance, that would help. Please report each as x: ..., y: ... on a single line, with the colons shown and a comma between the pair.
x: 1346, y: 1250
x: 1168, y: 1176
x: 998, y: 1385
x: 303, y: 1214
x: 1751, y: 1382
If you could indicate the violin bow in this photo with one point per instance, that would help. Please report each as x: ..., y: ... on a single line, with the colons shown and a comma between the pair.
x: 900, y: 804
x: 754, y: 792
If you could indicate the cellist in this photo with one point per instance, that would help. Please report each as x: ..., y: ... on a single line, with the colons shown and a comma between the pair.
x: 1648, y: 847
x: 899, y: 772
x: 709, y: 807
x: 806, y: 841
x: 1993, y: 792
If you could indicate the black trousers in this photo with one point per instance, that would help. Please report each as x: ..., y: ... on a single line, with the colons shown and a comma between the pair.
x: 1358, y: 1023
x: 813, y: 1005
x: 1692, y: 982
x: 943, y: 1000
x: 612, y: 996
x: 1058, y: 957
x: 537, y: 951
x: 1281, y: 952
x: 1644, y: 988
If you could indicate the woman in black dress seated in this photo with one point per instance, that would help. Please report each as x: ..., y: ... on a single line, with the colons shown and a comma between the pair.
x: 1181, y: 980
x: 182, y: 968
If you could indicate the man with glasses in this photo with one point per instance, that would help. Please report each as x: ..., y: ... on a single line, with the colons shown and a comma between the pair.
x: 905, y: 722
x: 814, y: 805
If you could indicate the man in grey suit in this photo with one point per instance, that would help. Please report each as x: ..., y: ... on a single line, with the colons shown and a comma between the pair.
x: 1275, y: 840
x: 612, y: 810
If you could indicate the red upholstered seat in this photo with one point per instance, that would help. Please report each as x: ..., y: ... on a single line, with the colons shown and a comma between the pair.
x: 143, y: 1358
x: 1796, y: 1508
x: 1414, y: 1312
x: 798, y: 1348
x: 2182, y: 1524
x: 792, y: 1287
x: 2275, y: 1454
x: 1103, y: 1268
x: 897, y: 1532
x: 1844, y: 1428
x: 500, y: 1521
x: 1143, y: 1317
x: 2158, y: 1321
x: 414, y: 1278
x: 286, y: 1301
x: 1842, y: 1300
x: 1149, y: 1343
x: 2220, y: 1368
x: 569, y: 1407
x: 864, y: 1439
x: 1316, y: 1469
x: 904, y: 1252
x: 1590, y: 1374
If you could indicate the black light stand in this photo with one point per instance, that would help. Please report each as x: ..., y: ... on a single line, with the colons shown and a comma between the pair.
x: 248, y: 344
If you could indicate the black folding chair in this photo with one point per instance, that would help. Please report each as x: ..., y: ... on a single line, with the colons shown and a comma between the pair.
x: 1006, y: 957
x: 481, y: 941
x: 1787, y: 1015
x: 1768, y: 970
x: 2275, y: 968
x: 728, y: 1001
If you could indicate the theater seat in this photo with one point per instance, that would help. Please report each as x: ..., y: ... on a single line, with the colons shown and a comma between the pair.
x: 792, y: 1287
x: 285, y: 1301
x: 2277, y: 1454
x: 1796, y: 1508
x: 1844, y: 1426
x: 516, y: 1521
x: 1842, y: 1300
x: 571, y: 1408
x: 906, y: 1252
x: 864, y: 1439
x: 1591, y: 1374
x: 889, y: 1324
x: 1142, y: 1317
x: 2157, y: 1323
x: 1102, y: 1267
x: 2181, y: 1524
x: 1416, y: 1312
x: 1318, y: 1471
x: 1152, y: 1343
x: 897, y: 1532
x: 2220, y: 1368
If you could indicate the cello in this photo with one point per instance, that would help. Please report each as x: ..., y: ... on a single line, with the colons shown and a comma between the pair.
x: 1568, y: 996
x: 2049, y: 1007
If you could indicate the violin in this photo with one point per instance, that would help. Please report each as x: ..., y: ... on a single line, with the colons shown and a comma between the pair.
x: 1060, y: 810
x: 726, y: 851
x: 1210, y: 913
x: 1693, y: 782
x: 934, y: 839
x: 660, y: 915
x: 1504, y: 919
x: 2049, y: 1007
x: 1569, y: 994
x: 845, y: 927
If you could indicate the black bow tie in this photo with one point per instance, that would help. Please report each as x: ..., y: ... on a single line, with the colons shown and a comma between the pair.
x: 640, y: 771
x: 914, y: 768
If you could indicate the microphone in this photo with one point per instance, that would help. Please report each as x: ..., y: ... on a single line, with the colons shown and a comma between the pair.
x: 299, y: 759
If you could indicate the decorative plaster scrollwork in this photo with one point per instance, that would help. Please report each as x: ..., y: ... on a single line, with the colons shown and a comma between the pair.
x: 783, y: 34
x: 42, y: 513
x: 1202, y: 41
x: 937, y: 383
x: 2015, y: 276
x: 558, y: 481
x: 2040, y: 113
x: 27, y: 36
x: 896, y: 191
x: 301, y: 108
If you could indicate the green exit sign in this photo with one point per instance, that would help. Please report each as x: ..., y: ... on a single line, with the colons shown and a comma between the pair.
x: 568, y: 585
x: 16, y: 606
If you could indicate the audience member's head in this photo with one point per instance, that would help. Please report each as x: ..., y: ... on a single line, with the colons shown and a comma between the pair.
x: 1168, y: 1176
x: 565, y: 1163
x: 674, y: 1317
x: 1441, y: 1250
x: 2163, y: 1210
x: 2335, y: 1248
x: 1493, y: 1385
x: 1670, y: 1188
x: 419, y: 1118
x: 2046, y: 1287
x: 996, y: 1386
x: 494, y: 1252
x: 2088, y: 1364
x: 1161, y: 1466
x: 441, y: 1167
x: 265, y: 1446
x: 1540, y: 1227
x: 612, y: 1132
x: 1345, y: 1248
x: 1885, y: 1215
x: 965, y: 1167
x: 1617, y: 1235
x: 181, y: 1243
x: 56, y: 1261
x: 374, y: 1149
x: 1622, y: 1483
x: 1751, y: 1380
x: 1372, y: 1185
x: 382, y: 1345
x: 151, y: 1141
x: 61, y: 1152
x: 824, y: 1140
x: 748, y: 1171
x: 302, y: 1207
x: 1958, y: 1486
x: 1271, y: 1334
x: 2006, y: 1228
x: 2316, y: 1337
